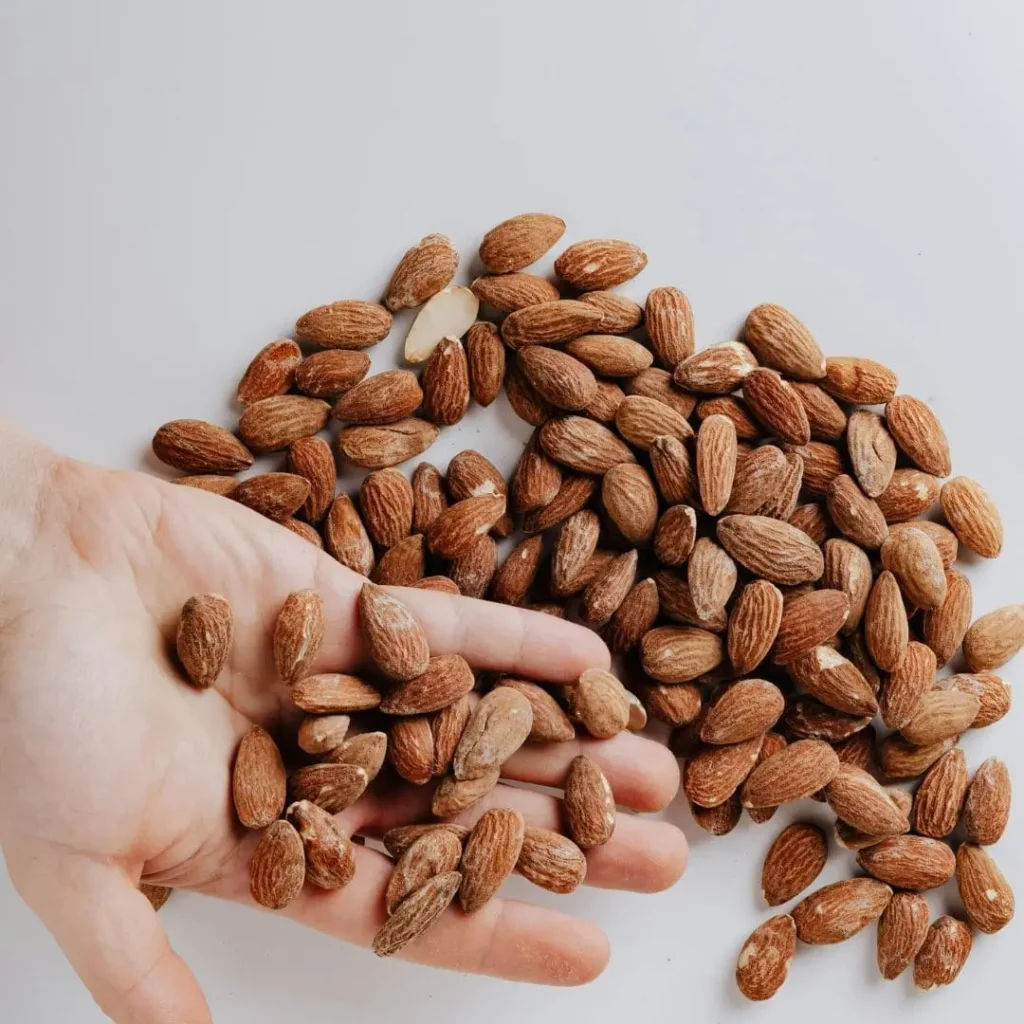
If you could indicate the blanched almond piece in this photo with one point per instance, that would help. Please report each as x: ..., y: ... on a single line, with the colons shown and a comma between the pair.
x: 449, y: 313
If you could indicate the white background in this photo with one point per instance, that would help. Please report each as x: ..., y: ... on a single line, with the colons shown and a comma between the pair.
x: 179, y: 181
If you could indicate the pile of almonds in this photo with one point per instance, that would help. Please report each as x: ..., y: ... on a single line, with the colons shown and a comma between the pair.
x: 751, y: 535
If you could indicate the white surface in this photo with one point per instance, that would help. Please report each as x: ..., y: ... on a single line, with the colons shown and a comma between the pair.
x: 179, y: 181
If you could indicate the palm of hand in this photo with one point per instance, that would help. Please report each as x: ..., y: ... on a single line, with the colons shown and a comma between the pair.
x: 112, y: 767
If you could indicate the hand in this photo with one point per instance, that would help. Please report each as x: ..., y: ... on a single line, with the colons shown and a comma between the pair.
x: 113, y: 769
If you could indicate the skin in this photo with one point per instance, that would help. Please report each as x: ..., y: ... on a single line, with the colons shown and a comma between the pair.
x: 113, y: 769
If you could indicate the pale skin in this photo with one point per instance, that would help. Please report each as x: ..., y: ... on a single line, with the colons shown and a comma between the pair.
x: 113, y: 769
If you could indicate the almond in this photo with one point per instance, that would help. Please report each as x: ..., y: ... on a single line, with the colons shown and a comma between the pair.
x: 456, y: 529
x: 330, y: 786
x: 599, y: 263
x: 746, y: 710
x: 795, y: 772
x: 274, y: 495
x: 378, y: 447
x: 157, y: 895
x: 517, y: 573
x: 558, y: 377
x: 908, y: 495
x: 447, y: 727
x: 716, y: 772
x: 346, y: 538
x: 886, y: 631
x: 825, y: 674
x: 423, y: 271
x: 754, y: 625
x: 331, y: 373
x: 205, y: 633
x: 909, y: 862
x: 278, y: 868
x: 631, y: 502
x: 793, y: 862
x: 214, y: 483
x: 537, y: 479
x: 497, y: 728
x: 428, y: 496
x: 395, y: 640
x: 992, y: 692
x: 320, y: 733
x: 943, y: 954
x: 836, y: 912
x: 675, y: 534
x: 298, y: 634
x: 506, y: 293
x: 445, y: 383
x: 782, y: 342
x: 670, y: 463
x: 350, y: 323
x: 717, y: 370
x: 902, y: 929
x: 519, y: 241
x: 312, y: 459
x: 550, y: 723
x: 860, y: 381
x: 259, y: 782
x: 446, y: 678
x: 486, y: 358
x: 987, y: 804
x: 386, y: 502
x: 913, y: 558
x: 944, y: 539
x: 676, y: 704
x: 856, y: 515
x: 552, y: 861
x: 809, y: 621
x: 940, y: 796
x: 716, y: 462
x: 973, y: 516
x: 575, y: 543
x: 773, y: 742
x: 758, y: 480
x: 848, y: 568
x: 900, y: 759
x: 523, y: 398
x: 439, y: 584
x: 474, y: 570
x: 774, y: 550
x: 609, y: 589
x: 619, y: 313
x: 600, y: 704
x: 605, y: 403
x: 734, y: 409
x: 382, y: 399
x: 411, y: 749
x: 398, y: 839
x: 549, y: 323
x: 403, y: 564
x: 611, y: 356
x: 490, y: 854
x: 669, y: 320
x: 574, y: 493
x: 633, y: 618
x: 994, y: 638
x: 711, y: 575
x: 827, y: 420
x: 656, y: 383
x: 860, y: 801
x: 677, y: 654
x: 416, y: 913
x: 943, y: 628
x: 677, y: 603
x: 776, y: 406
x: 811, y: 719
x: 330, y: 858
x: 583, y: 444
x: 433, y: 853
x: 904, y: 691
x: 453, y: 795
x: 366, y: 751
x: 783, y: 505
x: 271, y: 372
x: 720, y: 820
x: 764, y: 960
x: 919, y: 434
x: 589, y: 804
x: 274, y: 423
x: 942, y: 714
x: 334, y: 693
x: 641, y: 420
x: 195, y: 446
x: 872, y: 451
x: 822, y: 464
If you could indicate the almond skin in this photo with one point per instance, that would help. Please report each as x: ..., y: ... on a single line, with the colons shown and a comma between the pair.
x: 909, y: 862
x: 416, y: 913
x: 782, y: 342
x: 298, y: 634
x: 912, y: 557
x: 422, y: 272
x: 271, y: 372
x: 497, y: 728
x: 836, y: 912
x: 490, y: 854
x: 205, y: 633
x: 793, y: 862
x: 433, y: 853
x: 668, y: 317
x: 872, y: 452
x: 331, y: 373
x: 940, y: 797
x: 677, y: 654
x: 987, y: 805
x: 549, y: 323
x: 903, y: 692
x: 860, y: 381
x: 506, y: 293
x: 919, y: 434
x: 259, y: 782
x: 774, y: 550
x: 748, y: 709
x: 278, y: 868
x: 776, y: 406
x: 763, y: 963
x: 334, y: 693
x: 395, y: 640
x: 902, y: 929
x: 195, y: 446
x: 754, y: 625
x: 519, y: 241
x: 485, y: 354
x: 330, y: 859
x: 886, y: 630
x: 860, y: 801
x: 994, y: 638
x: 386, y: 503
x: 589, y: 804
x: 795, y: 772
x: 446, y: 678
x: 809, y: 621
x: 943, y: 954
x: 583, y: 444
x: 552, y: 861
x: 558, y: 377
x: 599, y: 263
x: 973, y: 516
x: 312, y: 459
x: 384, y: 398
x: 345, y: 536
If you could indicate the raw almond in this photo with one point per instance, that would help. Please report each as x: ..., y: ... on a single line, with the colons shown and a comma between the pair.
x: 848, y: 568
x: 904, y: 691
x: 908, y: 495
x: 795, y: 772
x: 550, y: 323
x: 757, y: 480
x: 992, y: 692
x: 734, y: 409
x: 675, y: 535
x: 619, y: 313
x: 909, y: 862
x: 872, y: 451
x: 403, y: 564
x: 886, y: 631
x: 490, y: 854
x: 657, y: 383
x: 856, y: 515
x: 836, y: 912
x: 763, y: 964
x: 944, y: 538
x: 912, y: 557
x: 304, y: 530
x: 640, y: 420
x: 395, y: 640
x: 600, y: 704
x: 205, y: 633
x: 330, y: 857
x: 333, y: 693
x: 987, y: 804
x: 447, y: 727
x: 941, y: 715
x: 608, y: 590
x: 271, y: 372
x: 822, y: 464
x: 716, y: 462
x: 366, y: 751
x: 919, y: 434
x: 809, y: 621
x: 944, y: 627
x: 974, y: 518
x: 497, y: 728
x: 793, y: 862
x: 433, y: 853
x: 717, y: 370
x: 320, y: 733
x: 827, y: 420
x: 716, y: 772
x: 398, y: 839
x: 605, y: 403
x: 860, y: 801
x: 523, y: 398
x: 382, y: 399
x: 771, y: 549
x: 673, y: 471
x: 633, y: 618
x: 584, y: 445
x: 668, y: 317
x: 943, y: 954
x: 611, y: 356
x: 900, y: 759
x: 783, y: 505
x: 446, y: 678
x: 259, y: 782
x: 552, y: 861
x: 416, y: 913
x: 214, y: 483
x: 346, y: 538
x: 274, y: 495
x: 329, y: 374
x: 274, y: 423
x: 782, y: 342
x: 902, y: 929
x: 711, y: 576
x: 517, y: 573
x: 350, y: 323
x: 574, y: 493
x: 422, y: 272
x: 675, y: 704
x: 195, y: 446
x: 278, y: 868
x: 773, y: 743
x: 720, y: 820
x: 677, y: 654
x: 298, y: 634
x: 631, y: 502
x: 550, y: 723
x: 940, y: 796
x: 994, y: 638
x: 506, y: 293
x: 558, y: 377
x: 746, y: 710
x: 411, y: 748
x: 776, y: 406
x: 474, y: 570
x: 157, y: 895
x: 445, y: 383
x: 576, y: 542
x: 486, y: 357
x: 453, y: 795
x: 860, y: 381
x: 537, y: 479
x: 827, y: 675
x: 312, y: 459
x: 456, y: 529
x: 599, y: 263
x: 377, y: 447
x: 386, y: 503
x: 330, y: 786
x: 809, y: 718
x: 428, y: 496
x: 754, y: 625
x: 589, y: 804
x: 519, y: 241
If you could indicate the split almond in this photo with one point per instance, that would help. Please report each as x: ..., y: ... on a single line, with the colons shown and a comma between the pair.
x: 448, y: 314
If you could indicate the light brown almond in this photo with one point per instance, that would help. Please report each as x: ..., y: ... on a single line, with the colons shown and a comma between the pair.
x: 822, y: 464
x: 900, y: 759
x: 416, y: 913
x: 658, y: 383
x: 516, y: 574
x: 378, y: 447
x: 772, y: 549
x: 576, y: 542
x: 274, y: 495
x: 675, y: 535
x: 272, y: 424
x: 333, y: 693
x: 537, y: 479
x: 641, y: 420
x: 942, y: 714
x: 394, y: 638
x: 584, y: 445
x: 940, y: 796
x: 677, y: 654
x: 558, y: 377
x: 447, y: 727
x: 589, y: 803
x: 386, y: 503
x: 423, y: 271
x: 919, y: 434
x: 825, y: 674
x: 600, y: 263
x: 908, y: 495
x: 600, y: 703
x: 523, y: 398
x: 366, y: 751
x: 716, y: 462
x: 943, y: 628
x: 909, y: 862
x: 633, y: 618
x: 298, y: 634
x: 776, y: 406
x: 848, y: 568
x: 675, y: 703
x: 903, y: 692
x: 860, y: 801
x: 795, y: 772
x: 872, y: 452
x: 856, y: 515
x: 716, y: 772
x: 611, y: 356
x: 497, y: 728
x: 902, y: 929
x: 608, y: 590
x: 793, y: 862
x: 204, y: 638
x: 486, y: 357
x: 550, y: 723
x: 973, y: 516
x: 453, y: 795
x: 758, y: 480
x: 763, y: 963
x: 550, y: 323
x: 747, y: 709
x: 720, y: 820
x: 994, y: 638
x: 398, y: 839
x: 259, y: 782
x: 827, y: 420
x: 784, y: 504
x: 330, y: 786
x: 433, y: 853
x: 673, y: 470
x: 754, y: 625
x: 350, y: 324
x: 278, y: 868
x: 195, y: 446
x: 411, y: 748
x: 668, y: 317
x: 629, y: 498
x: 993, y: 693
x: 329, y: 374
x: 319, y: 734
x: 838, y: 911
x: 330, y: 857
x: 886, y: 631
x: 506, y: 293
x: 809, y: 621
x: 912, y: 557
x: 711, y: 575
x: 943, y: 954
x: 489, y: 856
x: 346, y: 538
x: 552, y: 861
x: 987, y: 804
x: 271, y: 372
x: 312, y: 459
x: 474, y: 570
x: 860, y: 381
x: 717, y: 370
x: 457, y: 528
x: 944, y: 538
x: 605, y: 403
x: 446, y: 678
x: 782, y: 342
x: 734, y: 409
x: 519, y: 241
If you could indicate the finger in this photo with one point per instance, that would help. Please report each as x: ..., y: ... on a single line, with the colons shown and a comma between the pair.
x: 644, y: 775
x: 643, y: 855
x: 112, y: 938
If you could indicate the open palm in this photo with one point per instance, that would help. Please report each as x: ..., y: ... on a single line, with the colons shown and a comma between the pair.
x: 112, y: 769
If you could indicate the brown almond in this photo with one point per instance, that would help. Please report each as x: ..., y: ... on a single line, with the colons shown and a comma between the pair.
x: 987, y: 804
x: 793, y: 862
x: 320, y: 733
x: 754, y: 625
x: 908, y: 495
x: 549, y: 323
x: 993, y: 693
x: 330, y: 786
x: 994, y: 638
x: 860, y: 381
x: 377, y: 447
x: 552, y: 861
x: 439, y: 584
x: 489, y: 856
x: 259, y: 782
x: 605, y: 403
x: 350, y: 323
x: 872, y: 451
x: 838, y: 911
x: 795, y: 772
x: 506, y: 293
x: 411, y: 748
x: 809, y: 718
x: 195, y: 446
x: 516, y: 574
x: 631, y: 502
x: 600, y: 263
x: 456, y: 529
x: 773, y: 742
x: 445, y: 383
x: 904, y: 691
x: 720, y: 820
x: 329, y: 374
x: 827, y: 420
x: 675, y: 535
x: 523, y: 398
x: 943, y: 954
x: 583, y: 444
x: 403, y: 564
x: 673, y: 471
x: 902, y: 929
x: 716, y: 462
x: 633, y: 618
x: 271, y: 372
x: 716, y: 772
x: 717, y: 370
x: 386, y: 503
x: 558, y: 377
x: 734, y: 409
x: 772, y: 549
x: 589, y: 803
x: 825, y: 674
x: 312, y: 459
x: 668, y: 317
x: 610, y: 356
x: 423, y: 271
x: 757, y: 481
x: 809, y: 621
x: 640, y: 420
x: 485, y: 354
x: 382, y: 399
x: 214, y: 483
x: 944, y: 627
x: 973, y: 516
x: 763, y: 963
x: 574, y: 545
x: 333, y: 693
x: 433, y: 853
x: 677, y: 654
x: 474, y: 570
x: 398, y: 839
x: 848, y: 568
x: 274, y: 495
x: 519, y: 241
x: 747, y: 709
x: 366, y: 751
x: 822, y: 464
x: 550, y: 723
x: 453, y: 795
x: 298, y: 634
x: 346, y: 538
x: 537, y: 479
x: 600, y: 703
x: 394, y: 637
x: 608, y: 590
x: 886, y: 631
x: 428, y: 494
x: 304, y: 530
x: 416, y: 913
x: 940, y: 796
x: 860, y: 801
x: 497, y: 728
x: 900, y: 759
x: 909, y: 862
x: 942, y: 714
x: 447, y: 727
x: 784, y: 504
x: 711, y: 575
x: 205, y: 634
x: 278, y: 868
x: 272, y: 424
x: 157, y: 895
x: 912, y: 557
x: 776, y: 406
x: 574, y: 493
x: 856, y: 515
x: 782, y: 342
x: 919, y: 434
x: 675, y: 703
x: 657, y: 383
x: 446, y: 678
x: 330, y: 857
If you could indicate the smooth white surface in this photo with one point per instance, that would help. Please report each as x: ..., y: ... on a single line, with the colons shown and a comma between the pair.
x: 178, y: 181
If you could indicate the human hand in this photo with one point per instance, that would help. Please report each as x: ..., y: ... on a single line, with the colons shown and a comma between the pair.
x: 112, y: 769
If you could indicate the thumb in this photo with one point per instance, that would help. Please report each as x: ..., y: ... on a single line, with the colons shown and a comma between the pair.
x: 112, y: 938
